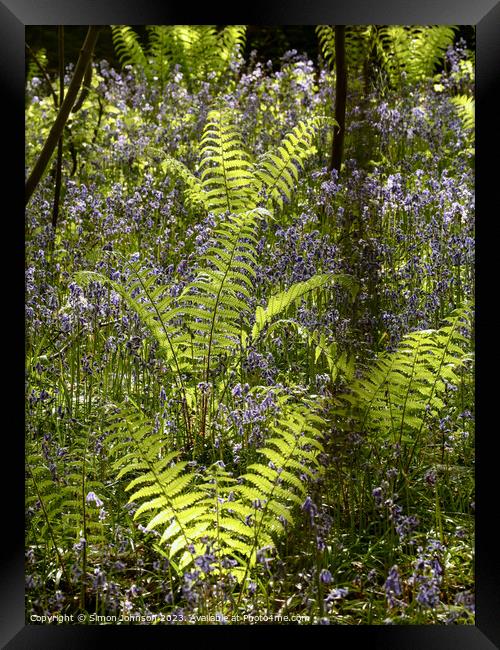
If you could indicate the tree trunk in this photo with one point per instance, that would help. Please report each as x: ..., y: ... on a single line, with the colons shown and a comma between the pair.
x: 340, y: 99
x: 64, y: 111
x: 57, y: 190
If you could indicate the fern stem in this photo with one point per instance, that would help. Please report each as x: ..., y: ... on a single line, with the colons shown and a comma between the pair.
x: 261, y: 522
x: 179, y: 374
x: 415, y: 357
x: 431, y: 395
x: 161, y: 485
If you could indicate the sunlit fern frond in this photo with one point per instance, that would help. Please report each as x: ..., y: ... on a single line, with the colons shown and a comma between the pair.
x: 231, y: 42
x: 195, y: 509
x: 200, y: 52
x: 411, y: 53
x: 280, y: 302
x: 155, y: 308
x: 128, y: 47
x: 57, y: 508
x: 466, y: 110
x: 404, y: 389
x: 193, y: 191
x: 160, y: 51
x: 208, y: 317
x: 279, y: 170
x: 326, y: 38
x: 217, y: 300
x: 227, y: 174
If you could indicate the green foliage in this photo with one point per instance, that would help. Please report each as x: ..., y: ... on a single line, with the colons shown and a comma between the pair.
x: 232, y: 372
x: 229, y: 179
x: 192, y: 509
x: 56, y: 502
x: 280, y: 302
x: 360, y: 42
x: 279, y: 170
x: 128, y: 46
x: 465, y: 107
x: 404, y: 389
x: 200, y: 51
x: 406, y: 54
x: 209, y: 320
x: 411, y: 54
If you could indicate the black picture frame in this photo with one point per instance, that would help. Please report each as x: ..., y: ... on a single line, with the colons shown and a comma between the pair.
x: 485, y: 15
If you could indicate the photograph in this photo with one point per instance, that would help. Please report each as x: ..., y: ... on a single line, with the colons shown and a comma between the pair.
x: 250, y: 324
x: 249, y: 336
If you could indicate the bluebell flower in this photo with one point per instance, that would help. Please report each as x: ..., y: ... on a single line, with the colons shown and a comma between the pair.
x: 325, y: 576
x: 310, y: 507
x: 392, y: 586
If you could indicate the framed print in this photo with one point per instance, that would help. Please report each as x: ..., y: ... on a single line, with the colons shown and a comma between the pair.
x: 254, y: 337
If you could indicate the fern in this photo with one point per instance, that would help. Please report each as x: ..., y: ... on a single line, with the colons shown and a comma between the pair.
x: 227, y: 177
x: 200, y: 51
x: 159, y: 51
x: 229, y: 181
x: 210, y: 319
x: 279, y: 170
x: 193, y: 191
x: 231, y: 42
x: 128, y: 47
x: 235, y: 517
x: 405, y: 388
x: 280, y: 302
x: 413, y: 51
x: 409, y: 53
x: 216, y: 298
x: 326, y: 37
x: 57, y: 508
x: 465, y: 107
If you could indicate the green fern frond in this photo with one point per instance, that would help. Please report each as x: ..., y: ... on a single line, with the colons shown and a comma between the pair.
x: 227, y: 176
x: 154, y: 307
x: 280, y: 302
x: 231, y: 42
x: 193, y: 191
x: 404, y: 388
x: 413, y: 51
x: 235, y: 517
x: 326, y: 37
x: 279, y: 170
x: 200, y: 51
x: 466, y: 109
x: 160, y: 51
x: 215, y: 297
x: 128, y: 47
